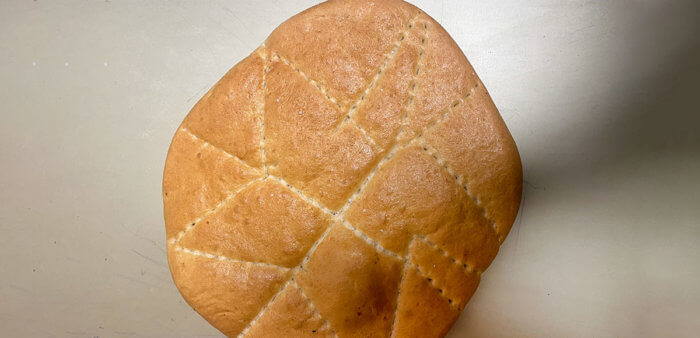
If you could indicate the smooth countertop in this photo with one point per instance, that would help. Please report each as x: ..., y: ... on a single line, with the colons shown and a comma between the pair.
x: 600, y: 96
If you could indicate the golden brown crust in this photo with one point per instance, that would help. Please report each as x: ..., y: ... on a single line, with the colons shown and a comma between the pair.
x: 340, y: 44
x: 422, y: 310
x: 304, y: 147
x: 381, y: 111
x: 263, y: 223
x: 226, y: 293
x: 197, y: 177
x: 351, y: 177
x: 353, y: 286
x: 228, y: 115
x: 486, y: 158
x: 291, y: 315
x: 445, y: 77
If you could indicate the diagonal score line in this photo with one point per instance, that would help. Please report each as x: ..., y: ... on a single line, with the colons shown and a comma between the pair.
x: 388, y: 58
x: 290, y: 280
x: 233, y: 194
x: 466, y: 267
x: 398, y: 291
x: 209, y: 144
x: 402, y: 126
x: 266, y: 306
x: 451, y: 300
x: 309, y: 80
x: 229, y: 259
x: 365, y: 134
x: 430, y: 150
x: 206, y: 143
x: 313, y: 247
x: 314, y: 309
x: 336, y: 217
x: 368, y: 239
x: 303, y: 196
x: 323, y: 91
x: 396, y: 148
x: 311, y: 250
x: 409, y: 263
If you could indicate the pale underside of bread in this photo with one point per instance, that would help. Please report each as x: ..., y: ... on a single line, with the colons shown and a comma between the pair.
x: 351, y: 177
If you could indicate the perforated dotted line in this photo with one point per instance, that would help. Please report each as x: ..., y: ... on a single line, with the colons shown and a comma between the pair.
x: 404, y: 270
x: 313, y: 247
x: 225, y: 258
x: 326, y: 325
x: 425, y: 146
x: 191, y: 226
x: 311, y: 250
x: 395, y: 147
x: 467, y: 268
x: 208, y: 144
x: 323, y: 91
x: 454, y: 303
x: 334, y: 215
x: 459, y: 178
x: 365, y: 134
x: 278, y: 57
x: 302, y: 195
x: 369, y: 240
x: 388, y: 58
x: 431, y: 281
x: 290, y: 280
x: 391, y: 154
x: 265, y: 307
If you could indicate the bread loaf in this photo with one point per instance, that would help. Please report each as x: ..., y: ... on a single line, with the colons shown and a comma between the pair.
x: 350, y: 177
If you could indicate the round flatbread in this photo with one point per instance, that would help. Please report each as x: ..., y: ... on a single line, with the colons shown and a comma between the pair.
x: 350, y: 177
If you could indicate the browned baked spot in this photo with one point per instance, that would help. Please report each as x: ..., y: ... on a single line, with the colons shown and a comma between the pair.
x: 353, y: 286
x: 422, y: 310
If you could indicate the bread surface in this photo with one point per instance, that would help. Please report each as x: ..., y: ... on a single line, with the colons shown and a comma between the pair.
x: 351, y: 177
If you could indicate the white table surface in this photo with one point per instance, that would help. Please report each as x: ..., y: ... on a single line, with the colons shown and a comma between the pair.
x: 600, y: 96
